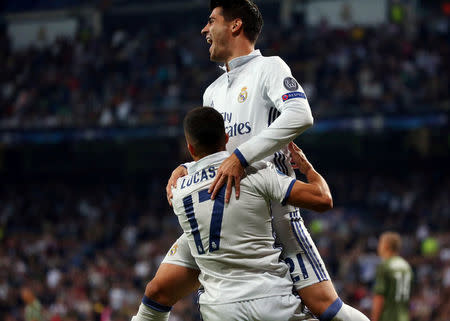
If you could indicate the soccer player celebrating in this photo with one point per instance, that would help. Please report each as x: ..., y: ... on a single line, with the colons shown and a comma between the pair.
x: 264, y: 108
x: 233, y: 246
x: 393, y: 281
x: 239, y: 266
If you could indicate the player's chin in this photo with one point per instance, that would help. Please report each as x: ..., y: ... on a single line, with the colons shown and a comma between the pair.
x: 213, y: 57
x: 216, y: 58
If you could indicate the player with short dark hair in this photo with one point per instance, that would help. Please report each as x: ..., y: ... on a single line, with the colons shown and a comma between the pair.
x: 247, y: 11
x: 205, y: 139
x: 233, y: 246
x: 393, y: 281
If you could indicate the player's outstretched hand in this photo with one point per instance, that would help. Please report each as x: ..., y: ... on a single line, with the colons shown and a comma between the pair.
x: 299, y: 158
x: 178, y: 172
x: 231, y: 172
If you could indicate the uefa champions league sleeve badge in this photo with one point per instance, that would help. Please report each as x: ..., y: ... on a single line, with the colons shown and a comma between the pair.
x: 290, y: 83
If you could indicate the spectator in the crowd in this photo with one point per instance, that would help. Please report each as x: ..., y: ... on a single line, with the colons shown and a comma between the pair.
x: 33, y: 308
x: 153, y: 77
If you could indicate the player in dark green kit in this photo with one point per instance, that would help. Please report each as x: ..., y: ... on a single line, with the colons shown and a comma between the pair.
x: 393, y: 282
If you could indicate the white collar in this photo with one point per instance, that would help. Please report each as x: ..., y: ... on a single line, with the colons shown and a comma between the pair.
x: 239, y: 61
x: 207, y: 160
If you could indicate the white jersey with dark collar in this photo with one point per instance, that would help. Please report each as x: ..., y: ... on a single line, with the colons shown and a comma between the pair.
x: 250, y: 97
x: 233, y: 244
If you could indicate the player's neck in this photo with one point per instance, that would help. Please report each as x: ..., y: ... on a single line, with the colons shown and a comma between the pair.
x: 198, y: 157
x: 389, y: 255
x: 242, y: 49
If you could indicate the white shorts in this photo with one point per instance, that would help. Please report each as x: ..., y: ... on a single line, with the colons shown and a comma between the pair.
x: 180, y: 254
x: 299, y: 251
x: 279, y: 308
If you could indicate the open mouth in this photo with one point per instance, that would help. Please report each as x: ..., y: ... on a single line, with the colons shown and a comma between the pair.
x: 209, y: 41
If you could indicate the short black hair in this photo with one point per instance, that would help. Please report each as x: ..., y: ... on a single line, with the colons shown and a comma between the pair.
x: 246, y: 10
x: 205, y: 129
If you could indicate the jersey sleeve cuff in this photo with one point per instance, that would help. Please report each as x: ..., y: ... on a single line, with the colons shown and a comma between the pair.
x: 241, y: 158
x: 288, y: 192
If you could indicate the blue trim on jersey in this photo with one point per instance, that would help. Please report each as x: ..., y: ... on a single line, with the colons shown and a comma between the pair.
x: 182, y: 165
x: 189, y: 208
x: 273, y: 114
x: 302, y: 266
x: 283, y: 163
x: 279, y: 158
x: 200, y: 291
x: 332, y: 310
x: 306, y: 250
x: 288, y: 192
x: 203, y: 195
x: 269, y: 119
x: 277, y: 163
x: 216, y: 220
x: 316, y: 260
x: 155, y: 305
x: 241, y: 157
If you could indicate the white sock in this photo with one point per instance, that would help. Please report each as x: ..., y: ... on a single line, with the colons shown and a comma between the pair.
x: 147, y: 313
x: 339, y: 311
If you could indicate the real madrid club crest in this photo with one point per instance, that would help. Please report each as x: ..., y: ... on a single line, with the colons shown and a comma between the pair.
x: 243, y: 95
x: 173, y: 250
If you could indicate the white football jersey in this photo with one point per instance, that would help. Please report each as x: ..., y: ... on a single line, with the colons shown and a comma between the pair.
x: 250, y: 97
x: 233, y: 244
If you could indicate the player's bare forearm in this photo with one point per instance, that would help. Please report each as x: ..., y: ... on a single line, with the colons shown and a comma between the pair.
x: 377, y: 307
x: 310, y: 196
x: 314, y: 178
x: 314, y: 195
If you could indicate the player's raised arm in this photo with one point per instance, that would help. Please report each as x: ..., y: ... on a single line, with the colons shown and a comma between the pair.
x: 283, y: 91
x: 314, y: 195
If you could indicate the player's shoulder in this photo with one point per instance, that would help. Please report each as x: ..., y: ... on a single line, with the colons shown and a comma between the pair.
x: 258, y: 166
x: 397, y: 263
x: 271, y: 62
x: 260, y: 171
x: 184, y: 188
x: 177, y: 193
x: 256, y: 176
x: 272, y: 65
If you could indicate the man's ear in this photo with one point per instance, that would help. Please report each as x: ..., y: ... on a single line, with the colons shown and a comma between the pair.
x: 237, y: 25
x: 227, y: 137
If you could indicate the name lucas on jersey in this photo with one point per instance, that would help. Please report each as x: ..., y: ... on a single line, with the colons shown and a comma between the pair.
x: 199, y: 176
x: 236, y: 128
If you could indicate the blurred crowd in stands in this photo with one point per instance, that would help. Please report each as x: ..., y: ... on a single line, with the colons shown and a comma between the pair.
x: 86, y: 251
x: 150, y: 76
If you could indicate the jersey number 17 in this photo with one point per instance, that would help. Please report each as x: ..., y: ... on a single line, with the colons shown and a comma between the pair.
x: 216, y: 219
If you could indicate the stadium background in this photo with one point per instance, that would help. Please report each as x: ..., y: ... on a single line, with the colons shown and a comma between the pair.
x: 92, y: 95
